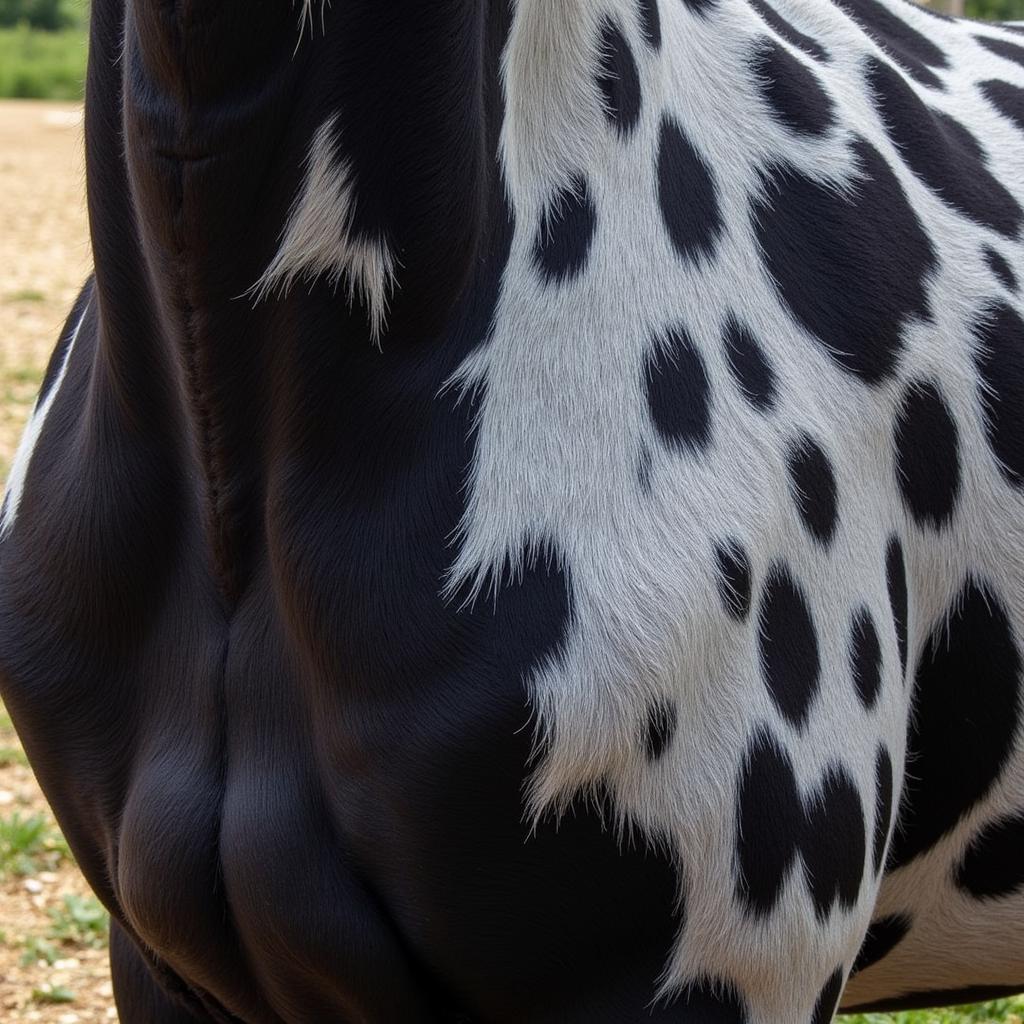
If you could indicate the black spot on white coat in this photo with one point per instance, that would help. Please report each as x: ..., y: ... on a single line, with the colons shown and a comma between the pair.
x: 650, y: 23
x: 687, y: 195
x: 701, y: 7
x: 643, y: 467
x: 734, y: 578
x: 865, y: 657
x: 793, y: 92
x: 1008, y: 99
x: 999, y: 356
x: 834, y: 842
x: 775, y: 826
x: 881, y: 938
x: 915, y: 53
x: 790, y: 663
x: 993, y: 863
x: 941, y: 152
x: 927, y: 455
x: 769, y: 824
x: 875, y: 245
x: 828, y: 1001
x: 896, y: 580
x: 813, y: 486
x: 1002, y: 270
x: 659, y: 730
x: 1003, y: 48
x: 618, y: 79
x: 883, y: 803
x: 967, y: 706
x: 678, y: 392
x: 566, y: 232
x: 750, y: 366
x: 784, y: 29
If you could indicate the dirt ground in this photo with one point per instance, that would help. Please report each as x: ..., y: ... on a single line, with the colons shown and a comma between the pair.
x: 44, y: 258
x: 44, y: 246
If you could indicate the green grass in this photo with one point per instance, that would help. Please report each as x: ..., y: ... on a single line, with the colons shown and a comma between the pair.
x: 1003, y: 1011
x: 42, y: 65
x: 29, y: 844
x: 995, y: 10
x: 11, y: 756
x: 35, y: 949
x: 80, y: 921
x: 52, y: 994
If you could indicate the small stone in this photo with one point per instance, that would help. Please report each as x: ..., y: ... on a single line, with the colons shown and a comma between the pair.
x: 6, y: 796
x: 111, y: 1013
x: 49, y: 877
x: 106, y: 990
x: 69, y: 964
x: 68, y: 1018
x: 32, y: 885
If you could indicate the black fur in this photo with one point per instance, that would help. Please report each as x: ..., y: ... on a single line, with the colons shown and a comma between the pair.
x: 678, y: 392
x: 566, y: 232
x: 927, y: 455
x: 618, y: 79
x: 291, y: 769
x: 310, y: 866
x: 784, y: 29
x: 687, y: 194
x: 942, y: 152
x: 875, y: 245
x: 750, y: 366
x: 790, y: 662
x: 914, y: 52
x: 793, y: 91
x: 865, y: 657
x: 882, y: 937
x: 776, y: 825
x: 812, y: 483
x: 960, y: 737
x: 829, y: 998
x: 734, y: 578
x: 999, y: 356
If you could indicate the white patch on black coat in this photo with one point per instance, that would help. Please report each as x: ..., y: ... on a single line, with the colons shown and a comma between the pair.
x: 318, y: 240
x: 33, y: 429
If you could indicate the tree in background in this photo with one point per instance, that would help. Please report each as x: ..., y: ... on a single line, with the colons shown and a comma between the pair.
x: 996, y: 10
x: 47, y: 15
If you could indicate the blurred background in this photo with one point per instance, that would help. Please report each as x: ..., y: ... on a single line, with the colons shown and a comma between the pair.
x: 53, y: 933
x: 42, y: 48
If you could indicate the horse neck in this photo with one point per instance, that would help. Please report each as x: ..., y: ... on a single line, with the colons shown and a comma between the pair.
x: 278, y: 201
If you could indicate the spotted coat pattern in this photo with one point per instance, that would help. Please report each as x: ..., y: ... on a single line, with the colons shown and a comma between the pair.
x: 623, y: 621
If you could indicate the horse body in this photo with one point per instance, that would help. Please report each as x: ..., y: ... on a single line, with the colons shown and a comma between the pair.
x: 529, y: 529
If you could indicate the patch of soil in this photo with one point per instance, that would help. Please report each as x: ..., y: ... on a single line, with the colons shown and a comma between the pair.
x: 44, y: 259
x: 44, y: 246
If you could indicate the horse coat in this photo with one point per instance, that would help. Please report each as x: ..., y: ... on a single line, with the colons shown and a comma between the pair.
x: 524, y: 523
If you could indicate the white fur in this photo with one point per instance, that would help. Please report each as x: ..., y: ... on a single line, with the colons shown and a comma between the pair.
x: 318, y: 239
x: 306, y: 17
x: 29, y: 438
x: 563, y: 417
